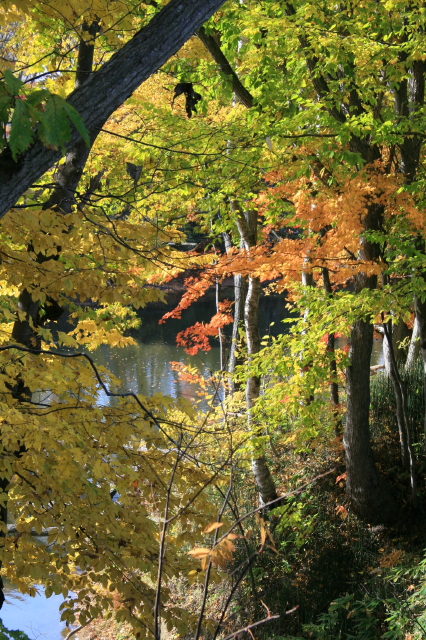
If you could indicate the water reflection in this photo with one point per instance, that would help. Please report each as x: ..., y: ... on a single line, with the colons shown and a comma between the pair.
x: 145, y: 367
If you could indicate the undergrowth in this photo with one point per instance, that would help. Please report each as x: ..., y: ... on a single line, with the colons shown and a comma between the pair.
x: 348, y: 580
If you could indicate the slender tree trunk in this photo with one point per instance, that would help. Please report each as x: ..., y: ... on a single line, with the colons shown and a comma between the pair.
x: 369, y: 495
x: 307, y: 281
x: 421, y: 320
x: 399, y: 333
x: 240, y: 291
x: 414, y: 348
x: 392, y: 371
x: 334, y: 387
x: 407, y: 453
x: 220, y: 332
x: 247, y: 227
x: 260, y: 467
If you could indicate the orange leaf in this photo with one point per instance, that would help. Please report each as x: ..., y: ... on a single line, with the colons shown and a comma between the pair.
x: 199, y: 552
x: 233, y: 536
x: 212, y: 526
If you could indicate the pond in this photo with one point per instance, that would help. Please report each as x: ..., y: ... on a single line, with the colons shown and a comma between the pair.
x: 143, y: 368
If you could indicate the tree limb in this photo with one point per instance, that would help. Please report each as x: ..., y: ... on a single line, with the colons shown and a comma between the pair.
x: 241, y: 93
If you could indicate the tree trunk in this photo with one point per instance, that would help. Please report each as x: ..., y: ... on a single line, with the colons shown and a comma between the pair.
x: 369, y: 494
x: 334, y: 387
x: 392, y: 371
x: 240, y: 289
x: 421, y: 320
x: 212, y: 46
x: 407, y: 453
x: 367, y: 491
x: 260, y: 467
x: 220, y: 331
x: 399, y: 333
x: 414, y: 348
x: 240, y: 292
x: 247, y: 227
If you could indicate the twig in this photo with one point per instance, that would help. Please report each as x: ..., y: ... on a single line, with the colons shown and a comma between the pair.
x: 157, y: 635
x: 207, y: 577
x: 249, y: 627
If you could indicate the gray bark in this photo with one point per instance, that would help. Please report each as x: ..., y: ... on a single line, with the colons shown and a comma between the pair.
x: 220, y: 332
x: 260, y: 467
x: 369, y: 495
x: 107, y: 89
x: 414, y: 348
x: 392, y: 371
x: 399, y: 333
x: 421, y: 319
x: 240, y: 291
x: 407, y: 453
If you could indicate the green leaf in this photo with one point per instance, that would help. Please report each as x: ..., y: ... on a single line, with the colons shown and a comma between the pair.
x: 77, y: 121
x: 36, y: 97
x: 21, y: 133
x: 13, y: 84
x: 55, y: 129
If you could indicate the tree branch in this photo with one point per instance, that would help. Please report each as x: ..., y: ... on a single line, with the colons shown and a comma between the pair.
x: 241, y: 93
